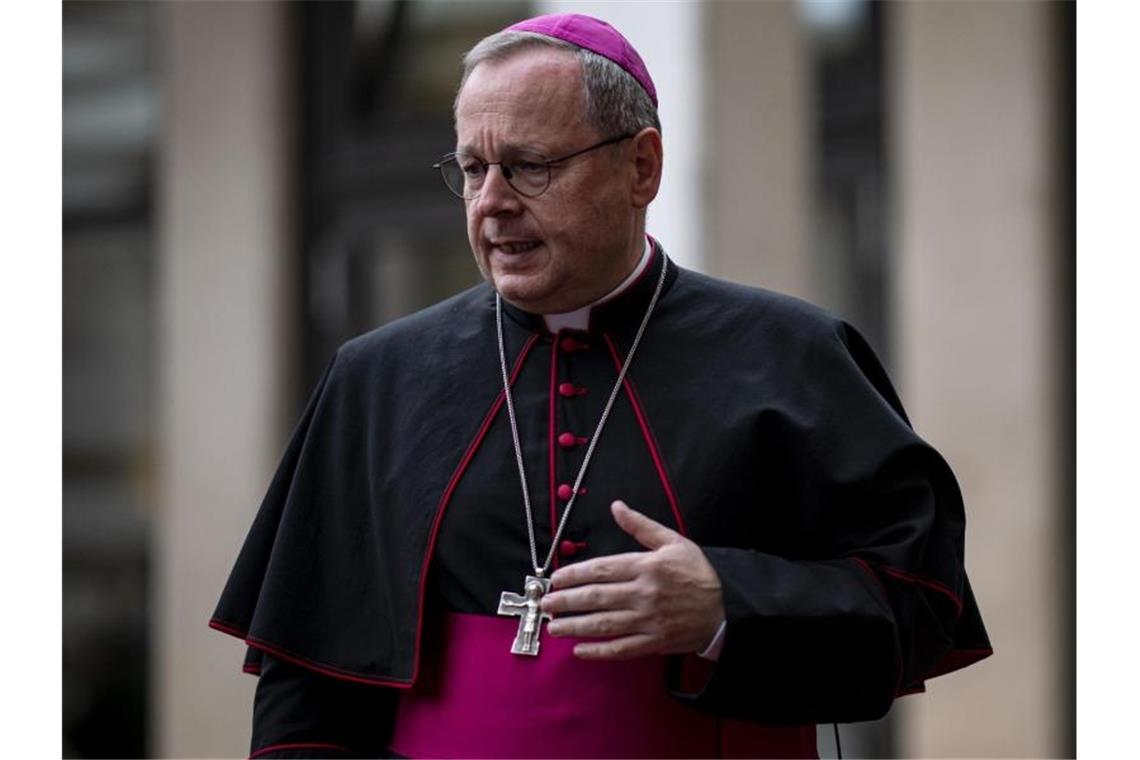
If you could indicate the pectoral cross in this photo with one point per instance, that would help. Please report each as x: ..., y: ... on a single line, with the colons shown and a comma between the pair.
x: 525, y: 606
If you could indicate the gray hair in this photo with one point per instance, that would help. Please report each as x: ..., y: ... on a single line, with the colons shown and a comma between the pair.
x: 615, y: 103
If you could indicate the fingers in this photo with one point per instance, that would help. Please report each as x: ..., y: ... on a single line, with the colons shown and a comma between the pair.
x: 649, y: 533
x: 612, y: 569
x: 590, y: 598
x: 597, y: 625
x: 624, y: 648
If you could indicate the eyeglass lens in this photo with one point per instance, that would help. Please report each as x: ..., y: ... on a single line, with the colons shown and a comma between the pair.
x: 465, y: 175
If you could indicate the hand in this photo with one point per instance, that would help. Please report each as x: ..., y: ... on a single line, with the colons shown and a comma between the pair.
x: 663, y: 601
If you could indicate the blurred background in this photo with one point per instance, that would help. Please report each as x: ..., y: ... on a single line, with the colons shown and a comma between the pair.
x: 246, y: 185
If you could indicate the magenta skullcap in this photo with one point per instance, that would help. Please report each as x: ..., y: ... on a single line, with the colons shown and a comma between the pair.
x: 595, y: 35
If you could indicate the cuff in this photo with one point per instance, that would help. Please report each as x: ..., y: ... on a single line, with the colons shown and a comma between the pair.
x: 712, y: 651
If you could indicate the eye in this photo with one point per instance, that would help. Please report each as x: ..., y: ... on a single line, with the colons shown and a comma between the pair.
x: 470, y: 167
x: 528, y: 167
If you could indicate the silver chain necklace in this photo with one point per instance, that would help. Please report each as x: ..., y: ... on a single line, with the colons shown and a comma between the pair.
x: 526, y: 605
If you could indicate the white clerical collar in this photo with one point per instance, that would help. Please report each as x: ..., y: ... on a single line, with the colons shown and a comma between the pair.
x: 579, y: 319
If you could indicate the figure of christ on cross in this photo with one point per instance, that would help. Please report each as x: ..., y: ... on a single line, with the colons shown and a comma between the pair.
x: 525, y: 606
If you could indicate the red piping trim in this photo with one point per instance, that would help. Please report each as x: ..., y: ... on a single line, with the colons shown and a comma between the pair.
x: 902, y: 575
x: 650, y: 443
x: 550, y: 441
x: 932, y: 585
x: 445, y: 500
x: 300, y: 745
x: 233, y: 630
x: 251, y: 669
x: 952, y: 660
x: 866, y: 568
x: 328, y: 670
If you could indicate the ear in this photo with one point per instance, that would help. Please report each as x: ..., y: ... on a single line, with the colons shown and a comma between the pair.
x: 647, y: 162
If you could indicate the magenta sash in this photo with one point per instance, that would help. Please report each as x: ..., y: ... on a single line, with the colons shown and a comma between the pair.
x: 495, y: 704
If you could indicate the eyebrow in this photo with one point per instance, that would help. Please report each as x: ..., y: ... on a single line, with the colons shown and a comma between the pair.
x: 508, y: 149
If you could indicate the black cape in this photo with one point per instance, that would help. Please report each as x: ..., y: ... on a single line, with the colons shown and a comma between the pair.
x: 760, y: 426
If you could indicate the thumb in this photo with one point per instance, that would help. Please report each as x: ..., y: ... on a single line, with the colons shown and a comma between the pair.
x: 649, y: 533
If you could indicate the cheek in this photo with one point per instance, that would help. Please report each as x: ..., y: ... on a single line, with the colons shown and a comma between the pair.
x: 473, y: 240
x: 578, y: 217
x: 472, y: 228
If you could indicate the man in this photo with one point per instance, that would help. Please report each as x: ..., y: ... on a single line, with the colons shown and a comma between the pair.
x: 598, y: 505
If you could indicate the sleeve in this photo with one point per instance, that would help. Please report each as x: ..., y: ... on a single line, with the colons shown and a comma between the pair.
x: 876, y: 599
x: 301, y: 714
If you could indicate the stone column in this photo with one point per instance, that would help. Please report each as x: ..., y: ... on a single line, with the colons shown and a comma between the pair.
x: 758, y: 142
x: 980, y: 319
x: 223, y: 265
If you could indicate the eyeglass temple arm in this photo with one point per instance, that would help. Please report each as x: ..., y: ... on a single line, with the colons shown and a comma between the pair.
x: 602, y: 144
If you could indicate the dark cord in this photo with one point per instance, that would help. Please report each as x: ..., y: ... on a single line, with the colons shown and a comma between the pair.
x: 838, y: 749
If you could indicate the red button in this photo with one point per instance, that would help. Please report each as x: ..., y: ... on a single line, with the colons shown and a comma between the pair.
x: 569, y: 548
x: 570, y: 345
x: 567, y: 440
x: 566, y: 390
x: 565, y: 491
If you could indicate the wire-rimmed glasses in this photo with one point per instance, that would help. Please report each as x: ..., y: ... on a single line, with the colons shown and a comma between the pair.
x: 526, y: 171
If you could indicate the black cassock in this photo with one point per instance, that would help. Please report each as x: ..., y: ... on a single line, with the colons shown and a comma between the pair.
x: 761, y: 427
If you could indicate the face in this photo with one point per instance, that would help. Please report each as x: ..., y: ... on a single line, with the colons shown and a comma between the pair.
x: 581, y: 237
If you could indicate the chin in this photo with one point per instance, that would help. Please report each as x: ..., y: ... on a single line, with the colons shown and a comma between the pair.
x: 523, y: 292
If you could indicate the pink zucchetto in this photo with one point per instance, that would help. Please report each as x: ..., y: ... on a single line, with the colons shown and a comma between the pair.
x: 595, y: 35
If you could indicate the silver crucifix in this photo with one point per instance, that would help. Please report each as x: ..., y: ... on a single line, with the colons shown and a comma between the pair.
x: 525, y: 607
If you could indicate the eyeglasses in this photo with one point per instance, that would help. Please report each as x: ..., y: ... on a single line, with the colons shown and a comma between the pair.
x: 526, y: 171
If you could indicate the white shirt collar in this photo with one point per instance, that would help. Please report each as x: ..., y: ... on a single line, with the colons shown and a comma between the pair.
x: 579, y: 319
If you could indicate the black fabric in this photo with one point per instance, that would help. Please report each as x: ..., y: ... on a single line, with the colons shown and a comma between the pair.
x: 765, y: 423
x: 299, y: 713
x: 483, y: 546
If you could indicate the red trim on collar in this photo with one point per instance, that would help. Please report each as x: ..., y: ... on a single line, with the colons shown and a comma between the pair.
x: 650, y: 443
x: 300, y: 745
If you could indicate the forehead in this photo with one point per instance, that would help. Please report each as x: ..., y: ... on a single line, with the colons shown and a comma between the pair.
x: 533, y: 97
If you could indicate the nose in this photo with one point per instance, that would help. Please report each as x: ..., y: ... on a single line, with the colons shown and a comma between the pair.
x: 497, y: 196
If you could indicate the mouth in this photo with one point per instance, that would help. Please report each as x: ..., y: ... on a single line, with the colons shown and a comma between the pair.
x: 514, y: 247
